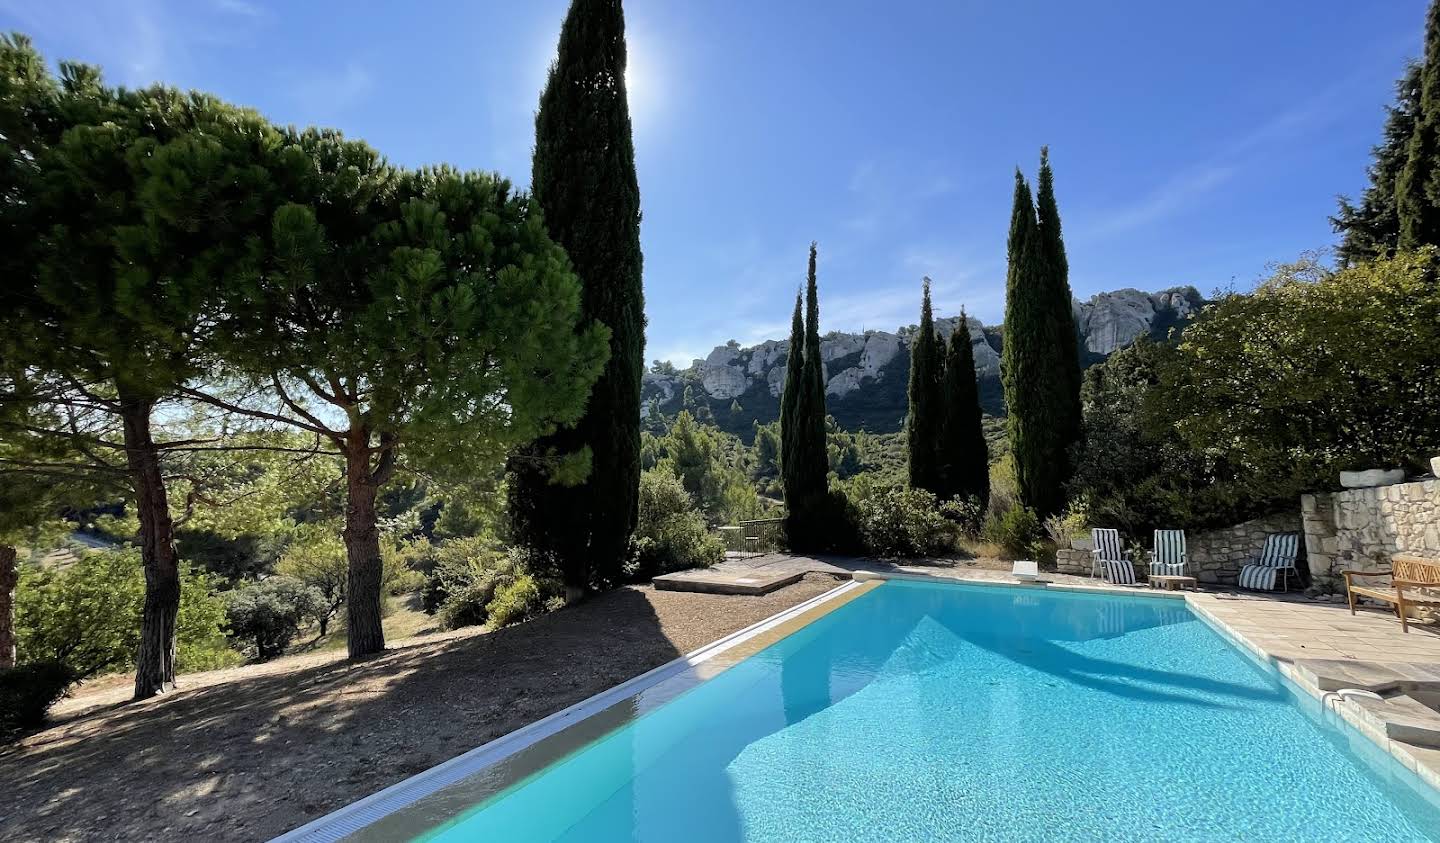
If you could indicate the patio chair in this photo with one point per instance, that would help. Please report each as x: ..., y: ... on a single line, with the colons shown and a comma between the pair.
x: 1110, y: 559
x: 1168, y: 557
x: 1276, y: 561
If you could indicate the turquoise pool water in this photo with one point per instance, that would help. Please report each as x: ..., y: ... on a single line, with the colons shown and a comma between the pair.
x: 946, y: 712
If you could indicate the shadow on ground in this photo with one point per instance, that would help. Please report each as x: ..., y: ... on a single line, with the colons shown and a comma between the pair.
x: 256, y: 756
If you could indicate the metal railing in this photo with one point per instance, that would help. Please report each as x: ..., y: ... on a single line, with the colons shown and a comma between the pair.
x: 753, y: 536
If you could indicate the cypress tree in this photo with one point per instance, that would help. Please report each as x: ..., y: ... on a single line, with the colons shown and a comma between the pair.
x: 1066, y: 415
x: 584, y: 181
x: 1371, y: 229
x: 804, y: 461
x: 1030, y: 371
x: 791, y: 470
x: 963, y: 454
x: 1417, y: 190
x: 926, y: 417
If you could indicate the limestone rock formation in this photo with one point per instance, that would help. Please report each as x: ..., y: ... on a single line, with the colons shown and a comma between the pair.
x: 1109, y: 321
x: 867, y: 373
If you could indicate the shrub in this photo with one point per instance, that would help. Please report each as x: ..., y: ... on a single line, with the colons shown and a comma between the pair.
x: 452, y: 566
x: 671, y: 534
x: 1134, y: 470
x: 1347, y: 375
x: 317, y: 557
x: 28, y: 691
x: 496, y: 590
x: 1016, y: 529
x: 269, y: 613
x: 518, y: 600
x: 898, y: 521
x: 965, y: 513
x: 87, y: 616
x: 1069, y: 525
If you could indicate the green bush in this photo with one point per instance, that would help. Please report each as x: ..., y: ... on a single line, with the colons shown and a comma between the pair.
x: 1016, y: 529
x: 27, y: 692
x: 1346, y: 376
x: 965, y: 513
x: 898, y: 521
x: 269, y: 613
x: 496, y: 590
x: 87, y: 616
x: 671, y: 534
x: 451, y: 567
x: 518, y: 600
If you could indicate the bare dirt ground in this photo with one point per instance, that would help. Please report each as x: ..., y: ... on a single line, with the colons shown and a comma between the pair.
x: 248, y: 753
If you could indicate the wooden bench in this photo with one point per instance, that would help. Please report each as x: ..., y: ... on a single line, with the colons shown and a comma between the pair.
x: 1414, y: 580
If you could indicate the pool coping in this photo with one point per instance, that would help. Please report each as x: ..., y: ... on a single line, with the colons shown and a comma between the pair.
x: 562, y: 732
x: 1427, y: 769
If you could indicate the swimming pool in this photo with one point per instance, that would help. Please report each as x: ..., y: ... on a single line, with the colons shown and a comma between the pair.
x: 924, y: 711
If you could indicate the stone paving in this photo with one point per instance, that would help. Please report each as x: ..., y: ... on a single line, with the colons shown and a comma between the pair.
x: 1290, y: 629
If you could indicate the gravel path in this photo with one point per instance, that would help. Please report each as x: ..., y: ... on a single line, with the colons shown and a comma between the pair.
x: 248, y: 753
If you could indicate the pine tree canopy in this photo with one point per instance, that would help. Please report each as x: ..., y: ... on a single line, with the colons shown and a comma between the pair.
x: 1417, y: 189
x: 1371, y: 229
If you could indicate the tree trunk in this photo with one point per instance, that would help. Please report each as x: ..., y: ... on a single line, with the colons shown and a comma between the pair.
x: 364, y: 636
x: 9, y: 576
x: 155, y: 662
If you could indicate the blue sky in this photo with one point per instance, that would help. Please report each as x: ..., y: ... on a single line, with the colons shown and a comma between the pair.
x: 1191, y: 143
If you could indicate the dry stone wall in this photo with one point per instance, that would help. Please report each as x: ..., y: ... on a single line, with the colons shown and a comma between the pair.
x: 1215, y: 556
x: 1359, y: 529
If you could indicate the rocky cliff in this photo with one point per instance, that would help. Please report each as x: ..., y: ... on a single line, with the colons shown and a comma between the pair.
x: 867, y: 374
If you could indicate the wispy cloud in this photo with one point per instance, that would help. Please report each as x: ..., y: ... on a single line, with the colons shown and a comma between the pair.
x: 327, y: 93
x: 129, y: 42
x: 1171, y: 196
x: 887, y: 196
x: 1204, y: 177
x: 241, y: 8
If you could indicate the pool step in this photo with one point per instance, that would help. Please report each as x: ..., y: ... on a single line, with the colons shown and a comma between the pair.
x: 1403, y: 718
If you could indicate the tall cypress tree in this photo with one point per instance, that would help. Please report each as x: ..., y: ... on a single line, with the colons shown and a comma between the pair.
x: 804, y: 460
x: 1417, y: 190
x: 926, y: 417
x: 584, y: 180
x: 963, y: 454
x: 1031, y: 363
x: 1066, y: 418
x: 1371, y: 229
x: 791, y: 466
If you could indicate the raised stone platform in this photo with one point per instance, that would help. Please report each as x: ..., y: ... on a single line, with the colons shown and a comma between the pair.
x: 752, y: 574
x: 720, y: 581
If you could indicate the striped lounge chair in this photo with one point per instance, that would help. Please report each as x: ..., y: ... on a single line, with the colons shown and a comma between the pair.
x: 1276, y: 561
x: 1168, y: 557
x: 1109, y: 558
